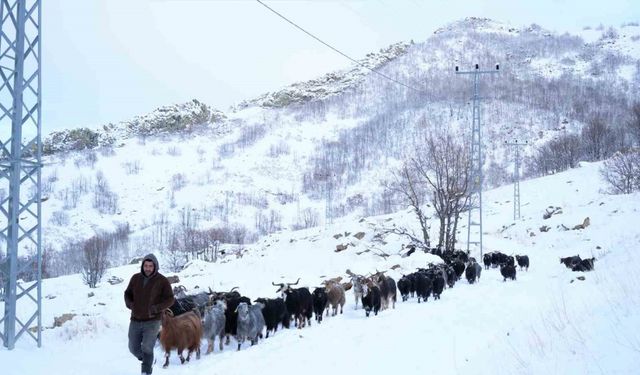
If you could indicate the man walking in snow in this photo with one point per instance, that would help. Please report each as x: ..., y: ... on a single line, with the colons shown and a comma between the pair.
x: 147, y: 296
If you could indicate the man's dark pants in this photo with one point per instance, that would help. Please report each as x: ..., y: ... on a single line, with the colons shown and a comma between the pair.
x: 142, y: 339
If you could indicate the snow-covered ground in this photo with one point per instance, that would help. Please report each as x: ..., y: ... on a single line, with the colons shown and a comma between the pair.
x: 545, y: 322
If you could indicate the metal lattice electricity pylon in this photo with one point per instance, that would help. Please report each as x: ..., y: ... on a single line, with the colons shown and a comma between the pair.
x: 516, y: 176
x: 476, y: 161
x: 20, y: 169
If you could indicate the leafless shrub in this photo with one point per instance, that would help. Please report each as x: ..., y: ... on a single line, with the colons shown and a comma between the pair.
x: 178, y: 181
x: 497, y: 175
x: 622, y: 172
x: 59, y: 218
x: 599, y: 139
x: 104, y: 200
x: 254, y: 200
x: 94, y: 260
x: 250, y: 134
x: 611, y: 33
x: 633, y: 125
x: 107, y: 151
x: 268, y: 222
x: 206, y: 178
x: 174, y: 151
x: 281, y: 148
x: 555, y: 156
x: 202, y: 153
x: 172, y: 198
x: 81, y: 185
x: 132, y: 167
x: 307, y: 218
x: 48, y: 183
x: 87, y: 158
x: 226, y: 150
x: 69, y: 198
x: 285, y: 198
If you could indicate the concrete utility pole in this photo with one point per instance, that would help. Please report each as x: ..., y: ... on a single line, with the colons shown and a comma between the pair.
x: 516, y: 176
x: 20, y: 169
x: 476, y: 159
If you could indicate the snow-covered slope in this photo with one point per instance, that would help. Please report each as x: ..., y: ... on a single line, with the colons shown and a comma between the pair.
x: 278, y: 161
x: 547, y: 321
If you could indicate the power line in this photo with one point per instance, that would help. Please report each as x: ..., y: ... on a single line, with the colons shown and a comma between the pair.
x: 337, y: 50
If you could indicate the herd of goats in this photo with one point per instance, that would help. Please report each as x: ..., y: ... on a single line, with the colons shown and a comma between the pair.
x: 225, y: 314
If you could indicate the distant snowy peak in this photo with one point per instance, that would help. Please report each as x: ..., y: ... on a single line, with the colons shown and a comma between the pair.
x: 330, y: 83
x: 167, y: 119
x: 486, y: 25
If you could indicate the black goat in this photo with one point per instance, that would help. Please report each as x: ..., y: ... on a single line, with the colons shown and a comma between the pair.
x: 320, y: 303
x: 584, y: 265
x: 274, y: 312
x: 404, y: 285
x: 423, y: 286
x: 371, y: 298
x: 570, y: 262
x: 299, y: 302
x: 523, y: 261
x: 508, y: 271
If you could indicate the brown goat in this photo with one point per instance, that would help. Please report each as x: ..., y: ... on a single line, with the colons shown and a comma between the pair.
x: 335, y: 295
x: 181, y: 332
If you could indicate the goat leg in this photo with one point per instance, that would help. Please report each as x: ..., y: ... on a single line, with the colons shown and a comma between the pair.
x: 210, y: 346
x: 166, y: 362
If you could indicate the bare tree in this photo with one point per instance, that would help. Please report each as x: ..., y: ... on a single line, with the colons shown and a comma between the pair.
x: 176, y: 256
x: 444, y: 167
x: 598, y: 139
x: 407, y: 183
x: 556, y: 155
x: 307, y: 218
x: 94, y: 259
x: 634, y: 123
x: 622, y: 172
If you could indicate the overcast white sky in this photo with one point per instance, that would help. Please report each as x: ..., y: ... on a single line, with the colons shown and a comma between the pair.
x: 107, y: 61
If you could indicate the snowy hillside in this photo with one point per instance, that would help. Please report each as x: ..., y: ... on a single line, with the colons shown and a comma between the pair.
x: 320, y: 151
x: 547, y: 321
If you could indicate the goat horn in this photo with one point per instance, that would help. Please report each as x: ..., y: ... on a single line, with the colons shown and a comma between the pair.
x: 274, y: 284
x: 232, y: 289
x: 296, y: 283
x: 168, y: 312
